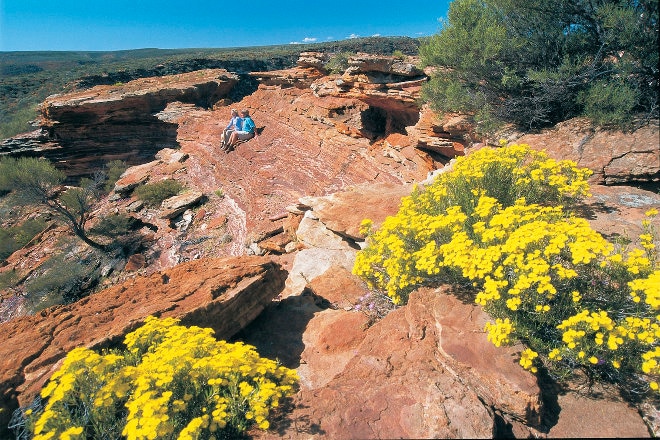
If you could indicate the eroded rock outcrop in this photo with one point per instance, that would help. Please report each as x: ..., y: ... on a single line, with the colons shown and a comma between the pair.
x: 83, y: 130
x: 332, y: 151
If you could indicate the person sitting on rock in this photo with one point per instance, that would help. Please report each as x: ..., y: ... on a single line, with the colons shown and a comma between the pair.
x: 248, y: 132
x: 235, y: 124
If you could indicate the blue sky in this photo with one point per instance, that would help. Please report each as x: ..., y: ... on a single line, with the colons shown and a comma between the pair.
x: 168, y: 24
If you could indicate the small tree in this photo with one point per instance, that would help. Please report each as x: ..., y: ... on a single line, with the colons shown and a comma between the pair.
x: 37, y: 181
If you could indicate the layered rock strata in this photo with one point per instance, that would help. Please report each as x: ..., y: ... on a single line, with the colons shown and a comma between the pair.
x: 81, y: 131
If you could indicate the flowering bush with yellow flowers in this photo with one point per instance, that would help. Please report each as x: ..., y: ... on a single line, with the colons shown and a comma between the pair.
x: 402, y: 254
x: 501, y: 223
x: 171, y: 382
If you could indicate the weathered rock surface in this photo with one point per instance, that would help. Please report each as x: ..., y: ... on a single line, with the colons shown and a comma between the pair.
x: 176, y: 205
x: 364, y: 63
x: 425, y: 371
x: 83, y: 130
x: 224, y: 294
x: 356, y: 380
x: 614, y: 157
x: 337, y: 211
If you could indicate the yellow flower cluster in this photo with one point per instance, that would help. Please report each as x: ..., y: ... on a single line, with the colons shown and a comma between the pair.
x: 170, y: 382
x: 527, y: 358
x: 441, y: 222
x: 499, y: 332
x: 501, y: 220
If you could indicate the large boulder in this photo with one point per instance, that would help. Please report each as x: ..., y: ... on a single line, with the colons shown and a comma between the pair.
x: 424, y: 371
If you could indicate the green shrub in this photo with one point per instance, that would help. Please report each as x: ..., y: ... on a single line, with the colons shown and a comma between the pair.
x: 18, y: 121
x: 153, y: 194
x: 8, y: 279
x: 34, y: 181
x: 59, y: 280
x: 536, y: 63
x: 338, y: 63
x: 170, y: 381
x: 499, y: 223
x: 15, y: 237
x: 114, y: 225
x: 113, y: 169
x: 399, y: 55
x: 610, y: 103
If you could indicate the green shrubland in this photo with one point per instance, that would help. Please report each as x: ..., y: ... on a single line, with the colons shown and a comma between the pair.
x: 15, y: 237
x: 153, y: 194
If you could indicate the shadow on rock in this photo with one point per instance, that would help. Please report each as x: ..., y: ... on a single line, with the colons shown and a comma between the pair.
x: 278, y: 332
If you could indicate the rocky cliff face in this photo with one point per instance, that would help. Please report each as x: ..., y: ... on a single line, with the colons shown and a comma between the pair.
x: 332, y: 150
x: 82, y: 131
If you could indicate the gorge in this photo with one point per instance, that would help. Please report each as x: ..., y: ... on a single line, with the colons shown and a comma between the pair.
x: 280, y: 216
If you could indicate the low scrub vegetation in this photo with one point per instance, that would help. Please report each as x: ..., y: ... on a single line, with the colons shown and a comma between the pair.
x: 15, y: 237
x: 501, y: 224
x: 153, y: 194
x: 62, y: 279
x: 338, y: 63
x: 169, y: 381
x: 113, y: 171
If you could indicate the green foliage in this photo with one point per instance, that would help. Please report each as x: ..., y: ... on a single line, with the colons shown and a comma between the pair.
x: 113, y: 170
x: 153, y: 194
x: 609, y: 103
x: 18, y: 121
x: 15, y: 237
x: 8, y: 279
x: 36, y: 181
x: 169, y: 382
x: 535, y: 63
x: 399, y: 55
x: 114, y: 225
x: 61, y: 279
x: 31, y: 180
x: 338, y: 63
x: 499, y: 223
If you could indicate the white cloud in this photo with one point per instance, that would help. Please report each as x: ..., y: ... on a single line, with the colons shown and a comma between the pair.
x: 295, y: 42
x: 354, y: 36
x: 376, y: 35
x: 309, y: 40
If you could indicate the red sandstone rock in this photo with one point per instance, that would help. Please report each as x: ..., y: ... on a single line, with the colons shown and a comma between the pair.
x: 123, y: 121
x: 135, y: 262
x: 613, y: 156
x: 421, y: 372
x: 173, y: 206
x: 408, y: 376
x: 343, y: 212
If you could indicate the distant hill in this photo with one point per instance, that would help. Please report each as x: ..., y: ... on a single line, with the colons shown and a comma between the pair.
x: 27, y: 78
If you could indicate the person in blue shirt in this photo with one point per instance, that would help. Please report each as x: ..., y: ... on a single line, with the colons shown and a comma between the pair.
x: 248, y: 131
x: 235, y: 124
